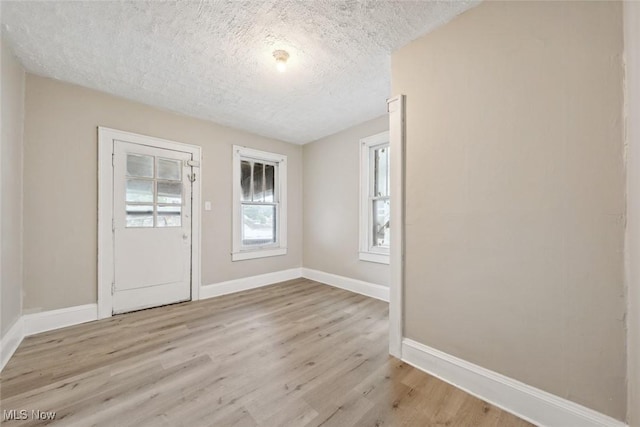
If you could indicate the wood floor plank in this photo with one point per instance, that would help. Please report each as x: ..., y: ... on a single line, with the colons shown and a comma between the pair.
x: 297, y: 353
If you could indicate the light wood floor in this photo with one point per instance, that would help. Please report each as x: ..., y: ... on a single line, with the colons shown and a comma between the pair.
x: 297, y: 353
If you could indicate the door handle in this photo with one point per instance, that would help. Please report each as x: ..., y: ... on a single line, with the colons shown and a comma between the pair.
x: 185, y: 236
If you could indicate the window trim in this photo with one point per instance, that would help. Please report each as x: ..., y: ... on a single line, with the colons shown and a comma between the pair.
x: 238, y: 251
x: 368, y: 252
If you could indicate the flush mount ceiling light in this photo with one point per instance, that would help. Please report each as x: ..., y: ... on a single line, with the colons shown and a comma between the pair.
x: 281, y: 59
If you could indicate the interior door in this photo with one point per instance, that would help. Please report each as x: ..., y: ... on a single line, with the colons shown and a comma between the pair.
x: 152, y: 226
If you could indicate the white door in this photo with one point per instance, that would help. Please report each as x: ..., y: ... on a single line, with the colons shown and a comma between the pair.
x: 152, y: 226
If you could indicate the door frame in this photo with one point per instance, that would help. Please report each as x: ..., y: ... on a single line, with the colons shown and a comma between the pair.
x: 106, y: 266
x: 397, y: 138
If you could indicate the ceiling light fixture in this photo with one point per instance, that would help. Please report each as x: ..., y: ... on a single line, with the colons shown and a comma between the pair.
x: 281, y: 59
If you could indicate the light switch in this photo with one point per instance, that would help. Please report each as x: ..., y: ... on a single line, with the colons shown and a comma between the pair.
x: 207, y: 206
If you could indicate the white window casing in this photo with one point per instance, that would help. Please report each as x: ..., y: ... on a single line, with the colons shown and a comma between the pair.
x: 275, y: 242
x: 371, y: 249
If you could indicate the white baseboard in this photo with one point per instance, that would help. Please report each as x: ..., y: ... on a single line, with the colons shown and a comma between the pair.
x: 31, y: 324
x: 358, y: 286
x: 36, y: 323
x: 238, y: 285
x: 246, y: 283
x: 10, y: 342
x: 527, y: 402
x: 56, y: 319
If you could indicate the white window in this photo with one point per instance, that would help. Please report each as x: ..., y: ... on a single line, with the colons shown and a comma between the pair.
x: 259, y: 204
x: 374, y: 198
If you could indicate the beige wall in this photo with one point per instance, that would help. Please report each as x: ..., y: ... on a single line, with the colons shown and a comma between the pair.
x: 515, y: 194
x: 12, y: 89
x: 60, y: 195
x: 632, y: 94
x: 331, y: 204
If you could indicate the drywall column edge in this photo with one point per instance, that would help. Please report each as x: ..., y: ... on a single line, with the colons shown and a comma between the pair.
x: 632, y: 238
x: 396, y: 107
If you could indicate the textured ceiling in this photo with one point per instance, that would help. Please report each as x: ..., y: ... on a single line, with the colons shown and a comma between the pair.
x: 213, y: 59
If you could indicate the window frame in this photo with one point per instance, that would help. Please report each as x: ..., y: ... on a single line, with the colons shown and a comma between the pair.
x: 368, y: 251
x: 239, y: 251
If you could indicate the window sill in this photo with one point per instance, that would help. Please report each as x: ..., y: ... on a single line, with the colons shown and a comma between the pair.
x: 374, y: 257
x: 264, y: 253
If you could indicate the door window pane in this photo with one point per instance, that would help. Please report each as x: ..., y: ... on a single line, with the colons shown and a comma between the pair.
x: 245, y: 180
x: 153, y: 200
x: 258, y: 225
x: 169, y: 169
x: 170, y: 192
x: 381, y: 213
x: 139, y: 215
x: 169, y: 216
x: 258, y: 179
x: 139, y: 190
x: 139, y: 165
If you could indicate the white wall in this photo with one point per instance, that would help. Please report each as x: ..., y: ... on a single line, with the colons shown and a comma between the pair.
x: 331, y: 204
x: 12, y: 123
x: 632, y: 94
x: 515, y: 197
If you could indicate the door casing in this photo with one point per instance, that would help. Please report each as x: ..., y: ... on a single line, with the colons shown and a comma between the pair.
x: 397, y: 135
x: 106, y: 136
